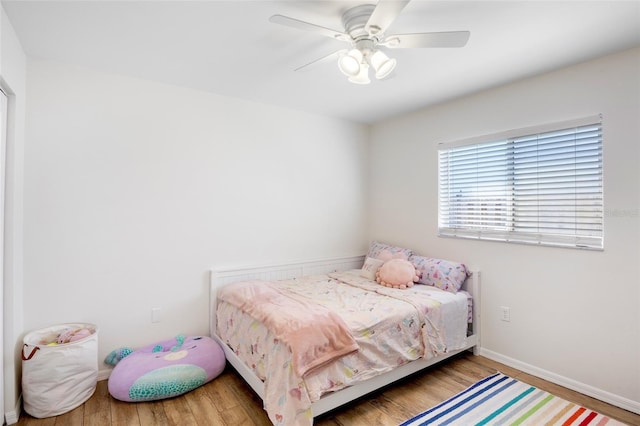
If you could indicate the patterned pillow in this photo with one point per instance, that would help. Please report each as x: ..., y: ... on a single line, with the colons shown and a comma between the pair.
x: 443, y: 274
x: 385, y: 252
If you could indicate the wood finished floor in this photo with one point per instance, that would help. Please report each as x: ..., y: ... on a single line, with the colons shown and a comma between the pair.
x: 228, y: 401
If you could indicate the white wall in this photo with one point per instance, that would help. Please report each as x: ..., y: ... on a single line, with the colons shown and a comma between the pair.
x: 13, y: 82
x: 134, y: 189
x: 575, y: 315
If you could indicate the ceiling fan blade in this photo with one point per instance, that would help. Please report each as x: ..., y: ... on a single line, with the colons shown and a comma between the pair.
x: 443, y: 39
x: 330, y: 57
x: 384, y: 14
x: 306, y: 26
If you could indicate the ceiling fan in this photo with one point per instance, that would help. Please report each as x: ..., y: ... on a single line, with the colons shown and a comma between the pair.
x: 365, y: 29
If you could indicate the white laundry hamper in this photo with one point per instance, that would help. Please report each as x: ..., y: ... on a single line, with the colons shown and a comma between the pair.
x: 58, y: 378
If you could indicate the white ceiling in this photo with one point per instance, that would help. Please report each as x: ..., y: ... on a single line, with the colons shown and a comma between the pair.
x: 230, y: 47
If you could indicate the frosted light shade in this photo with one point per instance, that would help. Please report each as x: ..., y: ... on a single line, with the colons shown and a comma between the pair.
x: 349, y: 63
x: 382, y: 64
x: 363, y: 75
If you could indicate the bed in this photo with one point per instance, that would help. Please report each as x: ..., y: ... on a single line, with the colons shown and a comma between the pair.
x: 290, y: 399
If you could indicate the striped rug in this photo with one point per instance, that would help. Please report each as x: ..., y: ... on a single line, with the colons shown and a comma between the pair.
x: 501, y: 400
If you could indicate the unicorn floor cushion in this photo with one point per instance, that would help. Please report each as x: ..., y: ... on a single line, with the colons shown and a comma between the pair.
x: 165, y: 369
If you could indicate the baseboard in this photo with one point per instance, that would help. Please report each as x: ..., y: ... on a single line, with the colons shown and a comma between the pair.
x: 608, y: 397
x: 104, y: 374
x: 12, y: 417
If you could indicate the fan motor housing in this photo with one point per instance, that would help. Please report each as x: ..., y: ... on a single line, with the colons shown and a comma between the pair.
x: 355, y: 20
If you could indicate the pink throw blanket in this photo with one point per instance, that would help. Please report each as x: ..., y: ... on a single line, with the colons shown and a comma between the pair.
x: 315, y: 334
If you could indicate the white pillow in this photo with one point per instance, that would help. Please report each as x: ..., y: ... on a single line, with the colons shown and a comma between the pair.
x: 370, y: 268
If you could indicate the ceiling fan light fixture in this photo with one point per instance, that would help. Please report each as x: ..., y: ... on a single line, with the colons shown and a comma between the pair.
x: 363, y: 75
x: 382, y: 64
x: 349, y: 63
x: 365, y: 29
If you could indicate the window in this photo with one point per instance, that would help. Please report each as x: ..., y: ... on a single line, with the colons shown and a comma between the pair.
x: 539, y: 186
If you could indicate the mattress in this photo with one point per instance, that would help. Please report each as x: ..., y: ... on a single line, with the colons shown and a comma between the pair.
x: 391, y: 327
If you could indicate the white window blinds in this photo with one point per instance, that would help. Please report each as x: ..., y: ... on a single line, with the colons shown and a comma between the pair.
x: 539, y: 185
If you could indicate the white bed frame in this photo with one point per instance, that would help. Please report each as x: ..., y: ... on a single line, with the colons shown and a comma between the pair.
x: 227, y: 275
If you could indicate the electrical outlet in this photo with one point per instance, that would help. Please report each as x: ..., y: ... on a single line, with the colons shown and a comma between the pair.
x: 155, y: 314
x: 505, y: 312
